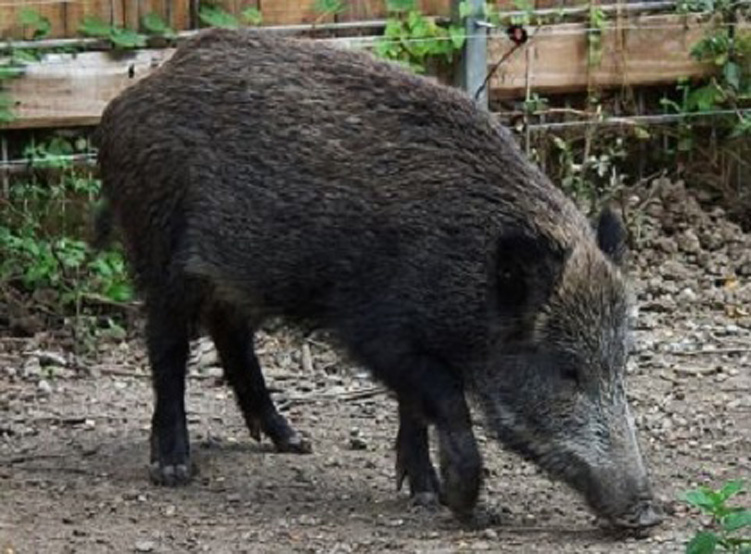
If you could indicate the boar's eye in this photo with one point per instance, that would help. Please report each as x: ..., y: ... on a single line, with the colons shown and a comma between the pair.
x: 570, y: 373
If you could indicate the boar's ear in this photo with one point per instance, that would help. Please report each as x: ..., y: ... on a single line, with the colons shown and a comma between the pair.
x: 528, y: 270
x: 611, y: 236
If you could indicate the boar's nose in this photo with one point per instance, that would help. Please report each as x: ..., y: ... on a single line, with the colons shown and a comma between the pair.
x: 649, y: 516
x: 646, y: 515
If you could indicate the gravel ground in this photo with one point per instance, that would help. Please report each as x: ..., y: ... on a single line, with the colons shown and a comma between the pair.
x: 73, y: 436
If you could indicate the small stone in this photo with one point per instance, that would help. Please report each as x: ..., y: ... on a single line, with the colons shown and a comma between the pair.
x: 688, y: 242
x: 356, y: 443
x: 688, y: 295
x: 145, y: 546
x: 44, y: 387
x: 490, y: 534
x: 51, y: 358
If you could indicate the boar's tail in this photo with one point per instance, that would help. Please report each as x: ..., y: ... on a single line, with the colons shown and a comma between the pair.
x: 103, y: 226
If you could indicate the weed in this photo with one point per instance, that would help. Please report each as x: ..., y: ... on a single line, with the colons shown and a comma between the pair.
x: 722, y: 533
x: 41, y: 230
x: 413, y: 39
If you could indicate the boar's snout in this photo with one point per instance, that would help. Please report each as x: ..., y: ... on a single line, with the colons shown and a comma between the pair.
x: 642, y: 512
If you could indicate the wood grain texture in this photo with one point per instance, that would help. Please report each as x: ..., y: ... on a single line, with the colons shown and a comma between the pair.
x: 11, y: 28
x: 66, y: 90
x: 650, y: 50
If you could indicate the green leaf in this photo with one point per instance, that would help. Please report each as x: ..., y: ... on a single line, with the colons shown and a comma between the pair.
x: 704, y: 98
x: 731, y: 488
x: 465, y: 10
x: 701, y: 498
x: 458, y: 36
x: 119, y: 292
x: 328, y: 6
x: 736, y: 520
x: 732, y: 73
x: 702, y: 543
x: 154, y: 24
x: 9, y: 71
x: 400, y: 5
x: 125, y: 38
x: 641, y: 133
x: 253, y: 16
x: 217, y: 17
x: 32, y: 18
x: 94, y: 27
x: 22, y: 57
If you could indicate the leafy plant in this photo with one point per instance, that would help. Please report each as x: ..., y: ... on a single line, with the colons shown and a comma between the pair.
x: 216, y: 16
x: 36, y: 22
x: 722, y: 533
x: 39, y: 238
x: 413, y: 39
x: 328, y: 7
x: 253, y: 16
x: 155, y: 25
x: 117, y: 36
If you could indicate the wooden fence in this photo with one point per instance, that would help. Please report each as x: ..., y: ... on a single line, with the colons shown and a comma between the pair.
x: 67, y: 15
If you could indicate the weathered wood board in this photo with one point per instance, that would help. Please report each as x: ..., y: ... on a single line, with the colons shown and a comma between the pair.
x: 68, y: 90
x: 66, y: 15
x: 648, y: 50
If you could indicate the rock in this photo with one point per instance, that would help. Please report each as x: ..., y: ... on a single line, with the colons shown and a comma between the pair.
x: 688, y: 295
x: 44, y: 387
x: 51, y: 358
x: 144, y: 546
x: 688, y: 242
x: 666, y: 244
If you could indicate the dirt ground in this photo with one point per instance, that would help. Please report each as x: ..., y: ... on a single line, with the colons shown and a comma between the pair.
x: 73, y: 435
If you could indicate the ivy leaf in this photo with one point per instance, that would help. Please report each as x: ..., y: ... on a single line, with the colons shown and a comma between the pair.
x: 702, y: 543
x: 94, y: 27
x: 732, y: 73
x: 400, y: 5
x: 253, y: 16
x: 328, y: 6
x: 9, y: 71
x: 217, y: 17
x: 154, y: 24
x: 458, y: 36
x: 125, y: 38
x: 32, y: 18
x: 22, y: 57
x: 737, y: 520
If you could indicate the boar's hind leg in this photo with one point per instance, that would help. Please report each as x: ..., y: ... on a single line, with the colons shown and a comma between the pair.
x: 167, y: 341
x: 233, y: 338
x: 413, y: 457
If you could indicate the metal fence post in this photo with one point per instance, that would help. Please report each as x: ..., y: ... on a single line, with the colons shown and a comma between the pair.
x: 473, y: 65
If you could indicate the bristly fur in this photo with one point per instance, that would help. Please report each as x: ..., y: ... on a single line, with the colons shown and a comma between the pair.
x: 286, y: 177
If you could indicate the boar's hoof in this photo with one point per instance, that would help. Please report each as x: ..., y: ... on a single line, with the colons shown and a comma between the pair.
x: 293, y: 444
x: 481, y: 517
x: 170, y: 475
x: 426, y: 500
x: 275, y: 426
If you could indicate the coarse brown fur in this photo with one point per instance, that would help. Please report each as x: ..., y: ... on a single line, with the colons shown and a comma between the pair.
x: 257, y: 176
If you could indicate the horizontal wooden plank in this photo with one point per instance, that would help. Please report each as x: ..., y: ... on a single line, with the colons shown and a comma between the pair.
x: 69, y: 90
x: 647, y: 50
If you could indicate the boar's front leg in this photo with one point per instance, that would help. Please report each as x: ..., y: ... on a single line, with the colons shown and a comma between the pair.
x: 413, y: 457
x: 233, y: 338
x: 439, y: 394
